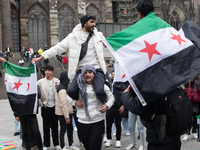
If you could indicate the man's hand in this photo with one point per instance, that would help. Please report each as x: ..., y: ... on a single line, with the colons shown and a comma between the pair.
x: 79, y: 103
x: 121, y: 109
x: 17, y: 118
x: 2, y: 59
x: 38, y: 59
x: 103, y: 108
x: 127, y: 89
x: 67, y: 121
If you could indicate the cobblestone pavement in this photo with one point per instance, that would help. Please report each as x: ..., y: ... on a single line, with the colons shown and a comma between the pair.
x: 7, y: 131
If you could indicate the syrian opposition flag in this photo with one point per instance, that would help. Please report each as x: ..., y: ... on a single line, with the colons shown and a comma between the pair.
x: 21, y: 86
x: 154, y: 56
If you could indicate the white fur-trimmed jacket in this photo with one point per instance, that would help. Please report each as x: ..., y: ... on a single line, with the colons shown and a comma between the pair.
x: 72, y: 44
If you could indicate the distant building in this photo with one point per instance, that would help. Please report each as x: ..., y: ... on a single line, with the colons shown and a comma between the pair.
x: 36, y: 23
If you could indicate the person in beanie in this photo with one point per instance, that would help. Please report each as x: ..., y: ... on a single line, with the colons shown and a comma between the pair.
x: 90, y: 109
x: 84, y: 47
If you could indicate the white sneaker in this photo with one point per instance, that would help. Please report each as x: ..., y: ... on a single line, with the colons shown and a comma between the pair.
x: 75, y: 129
x: 118, y: 144
x: 57, y: 147
x: 64, y: 148
x: 127, y: 134
x: 131, y: 146
x: 104, y: 139
x: 45, y: 148
x: 194, y: 136
x: 141, y: 147
x: 108, y: 143
x: 114, y: 134
x: 72, y: 147
x: 185, y: 138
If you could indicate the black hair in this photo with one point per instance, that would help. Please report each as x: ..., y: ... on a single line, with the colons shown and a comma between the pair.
x: 48, y: 67
x: 145, y: 7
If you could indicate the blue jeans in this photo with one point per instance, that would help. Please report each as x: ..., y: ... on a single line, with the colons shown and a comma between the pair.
x: 16, y: 124
x: 132, y: 122
x: 125, y: 125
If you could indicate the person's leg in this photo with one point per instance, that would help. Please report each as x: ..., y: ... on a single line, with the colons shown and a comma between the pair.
x: 73, y: 90
x: 54, y: 126
x: 46, y: 126
x: 83, y: 132
x: 16, y: 126
x: 132, y: 121
x: 33, y: 126
x: 98, y: 85
x: 114, y: 127
x: 25, y: 138
x: 118, y: 120
x: 125, y: 124
x: 96, y: 135
x: 63, y: 126
x: 70, y: 131
x: 142, y: 131
x: 109, y: 122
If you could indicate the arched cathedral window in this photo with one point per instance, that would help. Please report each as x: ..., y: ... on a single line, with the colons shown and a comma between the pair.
x: 15, y: 29
x: 92, y: 10
x: 66, y: 21
x: 175, y: 20
x: 37, y: 28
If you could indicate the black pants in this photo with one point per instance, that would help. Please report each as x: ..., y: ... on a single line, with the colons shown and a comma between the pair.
x: 63, y: 127
x: 112, y: 114
x: 29, y: 125
x: 98, y: 86
x: 91, y: 135
x: 50, y: 121
x: 175, y: 145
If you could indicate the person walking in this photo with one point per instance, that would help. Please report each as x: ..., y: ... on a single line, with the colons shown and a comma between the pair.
x: 48, y: 86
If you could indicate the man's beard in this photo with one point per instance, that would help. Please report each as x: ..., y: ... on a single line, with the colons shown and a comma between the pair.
x: 88, y: 28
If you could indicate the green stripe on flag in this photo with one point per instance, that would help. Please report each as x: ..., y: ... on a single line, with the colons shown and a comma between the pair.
x: 18, y: 71
x: 146, y: 25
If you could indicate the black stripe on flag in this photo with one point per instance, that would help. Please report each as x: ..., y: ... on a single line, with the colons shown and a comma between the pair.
x: 165, y: 75
x: 22, y: 103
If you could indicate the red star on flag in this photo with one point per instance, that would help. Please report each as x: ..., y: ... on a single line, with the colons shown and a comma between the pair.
x: 150, y: 49
x: 178, y: 38
x: 123, y: 76
x: 17, y: 85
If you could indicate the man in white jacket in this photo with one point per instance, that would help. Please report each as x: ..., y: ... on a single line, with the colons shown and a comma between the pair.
x: 90, y: 110
x: 84, y: 47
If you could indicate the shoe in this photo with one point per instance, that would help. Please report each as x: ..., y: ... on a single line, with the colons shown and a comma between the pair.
x: 131, y: 146
x: 64, y: 148
x: 81, y: 144
x: 57, y: 147
x: 194, y: 136
x: 105, y: 139
x: 118, y: 144
x: 108, y: 143
x: 16, y: 133
x: 75, y: 129
x: 45, y: 148
x: 160, y: 122
x: 185, y: 138
x: 141, y: 147
x: 127, y: 134
x: 72, y: 147
x: 114, y: 134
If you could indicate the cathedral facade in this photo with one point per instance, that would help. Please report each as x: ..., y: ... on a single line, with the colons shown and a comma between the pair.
x: 36, y: 23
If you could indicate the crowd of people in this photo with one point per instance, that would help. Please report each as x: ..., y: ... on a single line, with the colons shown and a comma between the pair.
x: 97, y: 107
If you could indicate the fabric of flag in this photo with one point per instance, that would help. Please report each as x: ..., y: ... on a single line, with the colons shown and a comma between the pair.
x: 154, y: 56
x: 120, y: 83
x: 21, y: 86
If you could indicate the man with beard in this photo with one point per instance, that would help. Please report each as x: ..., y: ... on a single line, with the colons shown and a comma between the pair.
x: 84, y: 47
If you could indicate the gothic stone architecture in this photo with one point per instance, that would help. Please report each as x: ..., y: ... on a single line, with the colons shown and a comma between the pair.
x: 36, y: 23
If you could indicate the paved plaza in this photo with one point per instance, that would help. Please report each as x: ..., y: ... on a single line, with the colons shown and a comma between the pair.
x: 7, y: 131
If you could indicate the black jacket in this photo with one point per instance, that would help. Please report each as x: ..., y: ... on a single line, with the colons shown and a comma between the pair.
x: 132, y: 103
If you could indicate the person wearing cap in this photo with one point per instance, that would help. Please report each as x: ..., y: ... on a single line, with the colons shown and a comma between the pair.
x: 84, y: 47
x: 90, y: 110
